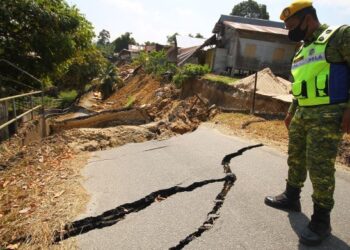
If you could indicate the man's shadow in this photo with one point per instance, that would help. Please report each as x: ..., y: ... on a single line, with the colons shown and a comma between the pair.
x: 299, y: 221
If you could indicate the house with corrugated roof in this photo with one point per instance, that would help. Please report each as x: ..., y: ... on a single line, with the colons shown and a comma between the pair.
x: 249, y: 45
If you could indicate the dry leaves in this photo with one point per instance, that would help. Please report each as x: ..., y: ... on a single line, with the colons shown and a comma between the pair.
x: 59, y: 194
x: 12, y: 246
x: 36, y: 175
x: 25, y: 210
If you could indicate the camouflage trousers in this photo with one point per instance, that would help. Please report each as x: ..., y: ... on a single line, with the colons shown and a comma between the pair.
x: 314, y: 136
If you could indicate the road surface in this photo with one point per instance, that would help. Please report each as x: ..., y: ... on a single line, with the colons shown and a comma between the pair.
x: 158, y: 194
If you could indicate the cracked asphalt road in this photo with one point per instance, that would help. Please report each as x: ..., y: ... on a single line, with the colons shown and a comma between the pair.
x: 128, y: 175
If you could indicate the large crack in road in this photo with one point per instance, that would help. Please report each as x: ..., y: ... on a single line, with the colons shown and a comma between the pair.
x: 213, y: 215
x: 119, y: 213
x: 113, y: 216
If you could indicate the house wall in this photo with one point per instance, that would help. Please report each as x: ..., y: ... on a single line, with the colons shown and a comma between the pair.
x: 253, y: 51
x: 220, y: 60
x: 255, y: 55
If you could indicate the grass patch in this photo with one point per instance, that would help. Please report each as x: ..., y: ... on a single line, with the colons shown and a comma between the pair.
x: 130, y: 102
x: 67, y: 97
x: 220, y: 79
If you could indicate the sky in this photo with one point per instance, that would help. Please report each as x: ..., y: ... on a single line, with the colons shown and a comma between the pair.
x: 154, y: 20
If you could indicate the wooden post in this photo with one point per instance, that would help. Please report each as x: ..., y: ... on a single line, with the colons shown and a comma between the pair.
x: 252, y: 111
x: 43, y: 130
x: 15, y: 114
x: 31, y: 107
x: 4, y: 115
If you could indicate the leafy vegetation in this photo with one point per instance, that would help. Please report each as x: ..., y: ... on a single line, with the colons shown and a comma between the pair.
x: 220, y: 79
x: 67, y: 97
x: 155, y: 63
x: 189, y: 71
x: 251, y: 9
x: 104, y: 45
x: 198, y: 35
x: 49, y: 39
x: 109, y: 82
x: 123, y: 42
x: 171, y: 38
x: 130, y: 102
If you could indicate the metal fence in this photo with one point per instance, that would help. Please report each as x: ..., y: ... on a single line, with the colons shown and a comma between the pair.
x: 14, y: 109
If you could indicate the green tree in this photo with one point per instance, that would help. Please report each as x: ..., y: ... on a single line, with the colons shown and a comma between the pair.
x: 81, y: 69
x: 104, y: 45
x: 250, y: 9
x: 171, y: 38
x: 123, y: 42
x: 39, y: 36
x: 103, y: 37
x: 149, y: 43
x: 198, y: 35
x: 109, y: 81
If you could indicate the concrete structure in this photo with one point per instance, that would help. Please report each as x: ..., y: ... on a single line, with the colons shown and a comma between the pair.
x: 246, y: 44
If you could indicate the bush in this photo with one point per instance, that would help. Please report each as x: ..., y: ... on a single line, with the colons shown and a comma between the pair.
x: 189, y: 71
x: 67, y: 98
x: 155, y: 62
x: 109, y: 81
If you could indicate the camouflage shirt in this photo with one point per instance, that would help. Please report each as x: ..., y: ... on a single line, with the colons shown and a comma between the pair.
x: 337, y: 51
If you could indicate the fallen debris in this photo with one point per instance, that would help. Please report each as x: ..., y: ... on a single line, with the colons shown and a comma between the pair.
x: 90, y: 139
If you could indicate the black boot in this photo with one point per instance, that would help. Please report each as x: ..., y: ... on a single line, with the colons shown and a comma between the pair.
x: 289, y: 200
x: 319, y: 227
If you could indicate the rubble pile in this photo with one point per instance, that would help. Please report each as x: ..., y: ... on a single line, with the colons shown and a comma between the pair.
x: 178, y: 116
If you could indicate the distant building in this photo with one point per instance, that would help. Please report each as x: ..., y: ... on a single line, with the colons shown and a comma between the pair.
x: 156, y: 47
x: 190, y: 50
x: 246, y: 44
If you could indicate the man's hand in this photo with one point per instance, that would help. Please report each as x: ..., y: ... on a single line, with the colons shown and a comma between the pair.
x: 346, y: 121
x: 288, y: 119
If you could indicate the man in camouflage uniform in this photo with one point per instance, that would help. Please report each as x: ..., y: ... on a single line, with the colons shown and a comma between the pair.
x: 318, y: 116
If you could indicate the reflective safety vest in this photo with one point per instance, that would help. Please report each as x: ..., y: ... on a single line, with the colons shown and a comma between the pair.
x: 316, y: 81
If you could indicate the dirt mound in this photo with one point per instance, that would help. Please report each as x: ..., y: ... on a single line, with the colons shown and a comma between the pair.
x: 267, y: 83
x: 139, y: 90
x: 89, y: 139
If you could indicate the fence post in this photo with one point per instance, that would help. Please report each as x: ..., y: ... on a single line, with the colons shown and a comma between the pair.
x: 252, y: 110
x: 4, y: 133
x: 15, y: 114
x: 31, y: 107
x: 44, y: 130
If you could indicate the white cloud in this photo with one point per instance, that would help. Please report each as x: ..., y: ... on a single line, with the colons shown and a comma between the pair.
x: 184, y: 13
x: 334, y: 3
x: 128, y: 5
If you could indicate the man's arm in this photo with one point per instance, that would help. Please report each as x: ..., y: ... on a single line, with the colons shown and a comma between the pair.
x: 345, y: 52
x: 291, y: 111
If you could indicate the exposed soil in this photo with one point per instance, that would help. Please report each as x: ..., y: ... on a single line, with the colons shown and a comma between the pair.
x: 140, y: 88
x: 269, y: 131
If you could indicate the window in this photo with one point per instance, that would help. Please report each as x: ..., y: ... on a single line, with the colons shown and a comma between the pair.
x: 250, y: 51
x: 278, y: 54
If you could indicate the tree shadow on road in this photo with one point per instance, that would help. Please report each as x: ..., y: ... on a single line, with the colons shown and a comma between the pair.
x: 299, y: 221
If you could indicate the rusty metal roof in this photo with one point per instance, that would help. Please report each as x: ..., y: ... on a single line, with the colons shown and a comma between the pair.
x: 257, y: 28
x: 246, y: 20
x: 186, y: 53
